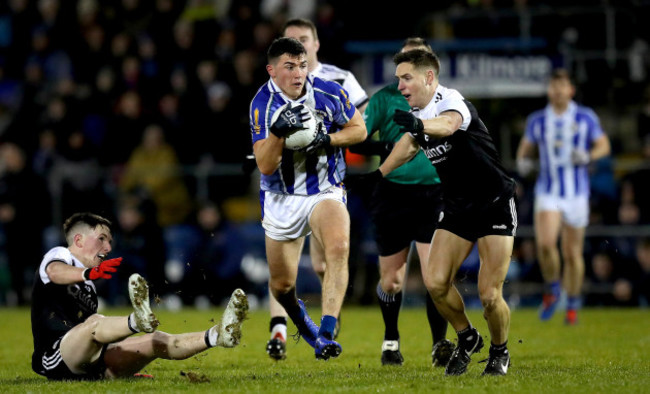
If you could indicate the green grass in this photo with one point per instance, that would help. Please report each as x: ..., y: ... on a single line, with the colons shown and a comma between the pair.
x: 607, y: 352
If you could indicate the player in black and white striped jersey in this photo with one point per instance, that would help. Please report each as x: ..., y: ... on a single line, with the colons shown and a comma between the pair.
x: 305, y: 31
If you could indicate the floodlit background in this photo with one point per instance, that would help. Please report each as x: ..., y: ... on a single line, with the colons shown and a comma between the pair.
x: 138, y: 110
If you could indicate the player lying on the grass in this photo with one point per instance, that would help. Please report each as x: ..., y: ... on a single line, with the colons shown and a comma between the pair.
x: 72, y: 341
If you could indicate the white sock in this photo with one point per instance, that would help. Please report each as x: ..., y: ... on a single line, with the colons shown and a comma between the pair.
x: 211, y: 337
x: 279, y: 329
x: 131, y: 322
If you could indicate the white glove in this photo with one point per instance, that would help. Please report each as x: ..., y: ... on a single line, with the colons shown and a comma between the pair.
x: 525, y: 166
x: 580, y: 157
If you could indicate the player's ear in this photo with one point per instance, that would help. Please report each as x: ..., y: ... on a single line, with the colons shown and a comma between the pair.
x: 431, y: 77
x: 270, y: 70
x: 78, y: 240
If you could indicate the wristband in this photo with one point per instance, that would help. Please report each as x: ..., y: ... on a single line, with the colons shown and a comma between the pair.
x: 86, y: 274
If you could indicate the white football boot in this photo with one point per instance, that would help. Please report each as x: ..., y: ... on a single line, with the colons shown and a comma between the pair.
x: 145, y: 320
x: 229, y: 328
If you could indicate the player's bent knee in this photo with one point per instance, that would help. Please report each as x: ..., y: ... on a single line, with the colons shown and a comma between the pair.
x: 546, y: 248
x: 437, y: 289
x: 91, y: 323
x: 391, y: 284
x: 490, y: 298
x: 94, y: 318
x: 281, y: 286
x: 338, y: 249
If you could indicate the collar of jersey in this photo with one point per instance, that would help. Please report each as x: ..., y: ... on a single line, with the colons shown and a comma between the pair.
x: 432, y: 103
x: 570, y: 109
x: 309, y: 86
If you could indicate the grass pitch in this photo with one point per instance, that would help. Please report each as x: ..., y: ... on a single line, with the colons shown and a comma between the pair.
x: 607, y: 352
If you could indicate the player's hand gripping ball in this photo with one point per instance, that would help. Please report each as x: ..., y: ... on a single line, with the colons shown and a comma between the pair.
x: 298, y: 125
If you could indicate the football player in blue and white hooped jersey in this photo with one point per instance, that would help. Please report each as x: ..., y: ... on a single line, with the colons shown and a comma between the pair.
x: 305, y: 31
x: 568, y: 137
x: 301, y: 191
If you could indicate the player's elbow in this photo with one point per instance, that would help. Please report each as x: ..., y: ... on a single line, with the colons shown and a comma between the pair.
x: 267, y: 168
x: 266, y: 171
x: 449, y: 126
x: 360, y: 135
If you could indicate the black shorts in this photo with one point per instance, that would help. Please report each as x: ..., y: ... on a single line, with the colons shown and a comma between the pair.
x: 48, y: 362
x: 404, y: 213
x: 471, y: 223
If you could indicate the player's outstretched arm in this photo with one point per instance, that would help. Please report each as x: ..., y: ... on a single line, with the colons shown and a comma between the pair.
x: 63, y: 274
x: 403, y: 151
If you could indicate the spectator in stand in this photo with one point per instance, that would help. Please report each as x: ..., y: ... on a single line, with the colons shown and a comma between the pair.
x: 635, y: 188
x: 642, y: 279
x: 607, y: 285
x: 139, y: 240
x: 125, y: 129
x: 215, y: 267
x: 76, y: 178
x: 153, y: 167
x: 24, y: 214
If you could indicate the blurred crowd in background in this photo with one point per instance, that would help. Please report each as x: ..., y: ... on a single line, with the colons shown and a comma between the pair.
x: 138, y: 110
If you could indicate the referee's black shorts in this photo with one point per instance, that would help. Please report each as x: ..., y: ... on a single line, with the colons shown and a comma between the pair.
x: 403, y: 213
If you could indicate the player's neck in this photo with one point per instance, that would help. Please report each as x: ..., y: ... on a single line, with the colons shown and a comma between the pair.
x: 313, y: 66
x: 78, y: 255
x: 559, y: 108
x: 431, y: 92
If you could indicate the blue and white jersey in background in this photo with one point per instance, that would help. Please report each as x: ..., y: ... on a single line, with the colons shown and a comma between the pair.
x: 556, y: 137
x: 299, y: 173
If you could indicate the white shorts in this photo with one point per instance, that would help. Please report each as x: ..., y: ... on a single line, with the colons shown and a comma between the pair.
x: 286, y: 216
x: 575, y: 211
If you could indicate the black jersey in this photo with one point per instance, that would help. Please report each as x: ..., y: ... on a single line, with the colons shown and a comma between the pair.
x: 58, y: 308
x: 468, y: 164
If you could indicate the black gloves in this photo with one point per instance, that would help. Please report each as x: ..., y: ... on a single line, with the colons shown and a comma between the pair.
x: 408, y: 121
x: 370, y: 147
x: 362, y: 181
x: 322, y: 140
x: 291, y: 118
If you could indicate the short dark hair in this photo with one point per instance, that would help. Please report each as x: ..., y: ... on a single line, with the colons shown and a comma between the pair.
x: 301, y: 22
x: 417, y: 42
x: 419, y: 58
x: 561, y: 73
x: 90, y: 219
x: 283, y: 45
